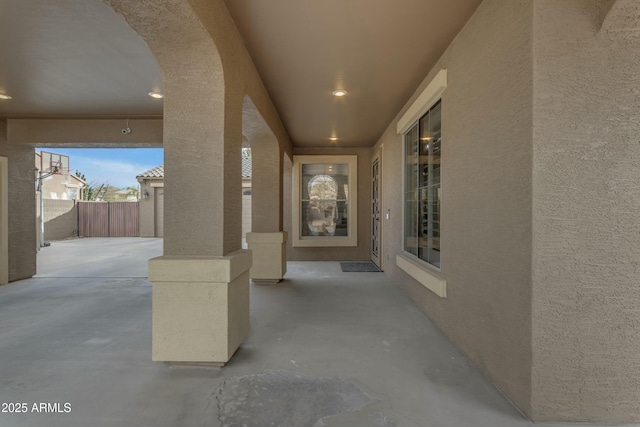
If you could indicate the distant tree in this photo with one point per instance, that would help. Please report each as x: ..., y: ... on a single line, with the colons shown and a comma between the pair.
x: 113, y: 194
x: 89, y: 191
x: 107, y: 193
x: 133, y: 191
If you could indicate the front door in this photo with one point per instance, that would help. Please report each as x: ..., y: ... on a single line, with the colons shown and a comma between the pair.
x: 376, y: 233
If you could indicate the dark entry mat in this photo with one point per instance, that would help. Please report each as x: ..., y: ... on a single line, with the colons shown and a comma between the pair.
x: 359, y: 267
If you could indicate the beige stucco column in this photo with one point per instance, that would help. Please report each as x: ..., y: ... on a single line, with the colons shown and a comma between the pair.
x: 267, y: 240
x: 4, y: 220
x: 200, y: 307
x: 19, y: 207
x: 201, y: 283
x: 269, y: 256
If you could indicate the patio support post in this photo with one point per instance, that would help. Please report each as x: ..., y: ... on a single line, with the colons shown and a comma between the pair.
x: 201, y: 283
x: 19, y: 238
x: 267, y: 240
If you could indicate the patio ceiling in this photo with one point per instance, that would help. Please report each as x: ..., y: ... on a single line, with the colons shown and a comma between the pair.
x: 77, y: 58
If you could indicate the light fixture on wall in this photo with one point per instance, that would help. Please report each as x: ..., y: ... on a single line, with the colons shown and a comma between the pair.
x: 145, y: 194
x: 333, y: 138
x: 3, y: 96
x: 156, y: 95
x: 339, y: 92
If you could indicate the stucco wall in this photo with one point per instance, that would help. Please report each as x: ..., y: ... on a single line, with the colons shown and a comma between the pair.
x: 246, y: 211
x: 486, y: 195
x: 205, y: 86
x: 22, y: 209
x: 60, y: 219
x: 146, y: 210
x: 586, y: 208
x: 363, y: 250
x: 58, y: 187
x: 287, y: 187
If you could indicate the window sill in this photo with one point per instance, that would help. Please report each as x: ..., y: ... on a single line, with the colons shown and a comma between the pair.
x: 429, y: 278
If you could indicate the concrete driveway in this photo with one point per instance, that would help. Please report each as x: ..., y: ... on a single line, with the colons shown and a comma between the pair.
x: 98, y: 257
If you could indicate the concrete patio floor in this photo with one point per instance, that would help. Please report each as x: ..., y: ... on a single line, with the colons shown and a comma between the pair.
x: 326, y: 348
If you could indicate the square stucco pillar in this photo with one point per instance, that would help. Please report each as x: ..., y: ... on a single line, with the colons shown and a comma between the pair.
x: 200, y: 307
x: 269, y: 256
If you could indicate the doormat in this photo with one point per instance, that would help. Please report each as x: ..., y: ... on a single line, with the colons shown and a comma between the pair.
x: 359, y: 267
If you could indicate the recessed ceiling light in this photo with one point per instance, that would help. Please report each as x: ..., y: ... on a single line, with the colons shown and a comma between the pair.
x: 339, y: 92
x: 3, y: 96
x: 333, y: 138
x: 156, y: 95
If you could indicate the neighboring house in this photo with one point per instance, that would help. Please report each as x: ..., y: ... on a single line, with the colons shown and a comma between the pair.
x: 60, y: 190
x: 151, y: 212
x: 126, y: 195
x: 152, y: 200
x: 61, y: 186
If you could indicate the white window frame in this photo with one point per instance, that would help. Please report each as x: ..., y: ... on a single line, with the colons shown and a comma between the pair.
x: 427, y: 274
x: 352, y: 205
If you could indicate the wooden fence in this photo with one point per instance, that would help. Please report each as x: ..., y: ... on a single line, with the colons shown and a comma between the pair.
x: 108, y: 219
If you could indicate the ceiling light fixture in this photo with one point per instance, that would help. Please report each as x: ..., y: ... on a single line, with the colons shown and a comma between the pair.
x: 156, y: 95
x: 339, y: 92
x: 3, y: 96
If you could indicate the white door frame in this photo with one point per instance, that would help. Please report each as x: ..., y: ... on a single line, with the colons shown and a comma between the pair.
x: 4, y: 220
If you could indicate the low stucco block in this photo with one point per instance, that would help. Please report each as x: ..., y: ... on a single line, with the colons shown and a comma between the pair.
x: 269, y: 256
x: 200, y: 307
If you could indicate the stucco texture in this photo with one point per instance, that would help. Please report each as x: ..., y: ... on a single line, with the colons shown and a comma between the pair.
x: 22, y: 207
x: 211, y: 86
x: 60, y: 219
x: 207, y: 75
x: 147, y: 210
x: 586, y: 205
x: 486, y: 196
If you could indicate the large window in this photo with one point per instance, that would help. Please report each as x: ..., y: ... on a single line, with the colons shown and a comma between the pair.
x: 324, y: 201
x: 422, y: 195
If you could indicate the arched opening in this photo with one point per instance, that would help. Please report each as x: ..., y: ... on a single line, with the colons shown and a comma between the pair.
x: 267, y: 240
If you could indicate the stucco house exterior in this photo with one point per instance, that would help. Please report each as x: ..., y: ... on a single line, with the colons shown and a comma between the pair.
x: 151, y: 209
x: 497, y: 182
x: 61, y: 186
x: 152, y: 200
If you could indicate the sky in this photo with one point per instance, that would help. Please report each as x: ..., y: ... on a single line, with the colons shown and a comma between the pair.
x: 117, y: 167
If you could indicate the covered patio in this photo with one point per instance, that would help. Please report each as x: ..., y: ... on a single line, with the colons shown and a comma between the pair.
x: 326, y: 348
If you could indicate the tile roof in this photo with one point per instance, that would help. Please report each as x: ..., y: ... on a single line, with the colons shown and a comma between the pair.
x: 157, y: 172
